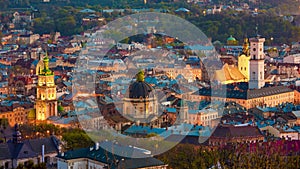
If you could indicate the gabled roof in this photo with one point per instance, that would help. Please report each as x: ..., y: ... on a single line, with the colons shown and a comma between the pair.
x: 229, y: 131
x: 97, y: 153
x: 28, y: 149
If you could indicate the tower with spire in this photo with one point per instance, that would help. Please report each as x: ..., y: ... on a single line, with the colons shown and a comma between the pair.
x: 244, y: 60
x: 46, y: 102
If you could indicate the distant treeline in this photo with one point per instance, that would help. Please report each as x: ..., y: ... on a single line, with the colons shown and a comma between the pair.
x: 64, y: 16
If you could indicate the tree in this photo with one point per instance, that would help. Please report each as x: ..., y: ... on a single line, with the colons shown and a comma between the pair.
x: 30, y: 165
x: 77, y: 139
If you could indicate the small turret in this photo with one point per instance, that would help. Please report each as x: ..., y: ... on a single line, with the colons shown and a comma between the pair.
x: 17, y: 136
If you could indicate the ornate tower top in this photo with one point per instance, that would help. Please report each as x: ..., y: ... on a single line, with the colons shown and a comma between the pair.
x: 46, y: 70
x: 140, y: 76
x: 246, y: 47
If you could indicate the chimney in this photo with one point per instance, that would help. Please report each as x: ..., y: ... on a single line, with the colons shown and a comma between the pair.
x: 96, y: 146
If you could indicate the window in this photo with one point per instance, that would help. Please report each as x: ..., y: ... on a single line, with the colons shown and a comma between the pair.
x: 254, y: 49
x: 254, y: 57
x: 261, y: 75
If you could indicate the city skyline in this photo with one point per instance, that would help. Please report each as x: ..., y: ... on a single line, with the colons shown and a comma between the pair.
x: 122, y: 88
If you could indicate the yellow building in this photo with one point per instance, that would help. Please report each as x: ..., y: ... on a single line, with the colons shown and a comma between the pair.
x: 229, y: 74
x: 17, y: 115
x: 232, y: 73
x: 46, y: 103
x: 244, y: 60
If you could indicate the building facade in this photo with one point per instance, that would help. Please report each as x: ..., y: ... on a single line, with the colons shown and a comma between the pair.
x: 267, y: 96
x: 19, y: 151
x: 16, y: 113
x: 203, y: 117
x: 229, y: 134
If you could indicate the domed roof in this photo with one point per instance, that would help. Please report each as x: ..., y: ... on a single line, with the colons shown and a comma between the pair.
x: 140, y: 89
x: 231, y: 38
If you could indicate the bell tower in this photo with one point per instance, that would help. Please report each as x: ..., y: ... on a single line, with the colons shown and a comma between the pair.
x: 244, y: 60
x: 257, y: 65
x: 46, y: 103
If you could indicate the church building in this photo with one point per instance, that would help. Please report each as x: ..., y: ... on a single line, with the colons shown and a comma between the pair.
x: 140, y: 103
x: 252, y: 91
x: 46, y: 102
x: 235, y: 73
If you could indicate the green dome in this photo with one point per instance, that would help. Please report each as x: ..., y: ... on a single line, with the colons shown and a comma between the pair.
x: 231, y: 38
x: 31, y: 114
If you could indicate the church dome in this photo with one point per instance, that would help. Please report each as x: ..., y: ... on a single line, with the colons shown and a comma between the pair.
x: 231, y: 38
x: 140, y: 89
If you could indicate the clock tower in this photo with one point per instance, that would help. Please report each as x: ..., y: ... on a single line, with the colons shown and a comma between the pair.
x: 257, y: 63
x: 46, y: 103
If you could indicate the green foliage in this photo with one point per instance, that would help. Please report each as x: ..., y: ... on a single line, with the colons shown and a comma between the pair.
x: 194, y: 157
x: 64, y: 16
x: 60, y: 109
x: 76, y: 139
x: 3, y: 123
x: 30, y: 165
x: 40, y: 130
x: 221, y: 26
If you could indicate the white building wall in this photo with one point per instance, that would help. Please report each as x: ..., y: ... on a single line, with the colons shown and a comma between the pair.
x: 61, y: 164
x: 292, y: 135
x: 292, y: 58
x: 81, y: 163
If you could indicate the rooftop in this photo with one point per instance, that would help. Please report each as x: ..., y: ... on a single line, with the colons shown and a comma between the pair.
x: 243, y: 94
